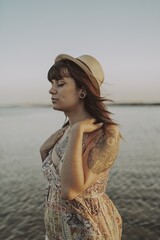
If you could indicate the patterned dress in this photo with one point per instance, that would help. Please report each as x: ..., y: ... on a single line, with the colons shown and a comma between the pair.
x: 89, y: 216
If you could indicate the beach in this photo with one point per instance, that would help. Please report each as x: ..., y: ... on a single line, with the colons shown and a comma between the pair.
x: 134, y: 179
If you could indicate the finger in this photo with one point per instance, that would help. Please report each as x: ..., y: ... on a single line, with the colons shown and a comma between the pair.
x: 63, y: 129
x: 93, y: 120
x: 60, y: 133
x: 99, y: 125
x: 96, y: 126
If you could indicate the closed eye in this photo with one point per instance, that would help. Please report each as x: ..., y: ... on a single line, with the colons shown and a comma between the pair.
x: 60, y: 84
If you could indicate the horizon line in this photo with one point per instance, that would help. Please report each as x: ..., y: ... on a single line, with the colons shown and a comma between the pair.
x: 110, y: 103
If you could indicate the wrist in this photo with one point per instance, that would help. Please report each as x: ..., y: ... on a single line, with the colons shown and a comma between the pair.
x: 77, y: 129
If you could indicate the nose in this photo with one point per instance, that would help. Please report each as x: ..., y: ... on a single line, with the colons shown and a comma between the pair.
x: 52, y: 90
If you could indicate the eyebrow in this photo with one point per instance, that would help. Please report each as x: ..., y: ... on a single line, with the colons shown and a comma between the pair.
x: 57, y: 80
x: 61, y: 79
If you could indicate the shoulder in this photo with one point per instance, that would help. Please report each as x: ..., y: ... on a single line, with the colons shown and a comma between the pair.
x: 110, y: 134
x: 102, y: 155
x: 102, y: 138
x: 106, y: 140
x: 112, y: 131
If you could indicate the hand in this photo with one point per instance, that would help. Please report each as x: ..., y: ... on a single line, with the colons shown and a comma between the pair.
x: 87, y: 125
x: 51, y: 141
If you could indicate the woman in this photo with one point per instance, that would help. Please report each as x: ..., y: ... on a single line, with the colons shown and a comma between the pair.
x: 78, y: 157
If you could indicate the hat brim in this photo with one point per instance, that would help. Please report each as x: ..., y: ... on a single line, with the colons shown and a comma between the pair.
x: 81, y: 65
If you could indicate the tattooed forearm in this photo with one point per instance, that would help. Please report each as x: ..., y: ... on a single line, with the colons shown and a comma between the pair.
x: 102, y: 156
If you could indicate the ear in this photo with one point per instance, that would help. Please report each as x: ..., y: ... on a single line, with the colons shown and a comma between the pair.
x: 82, y: 93
x: 82, y: 90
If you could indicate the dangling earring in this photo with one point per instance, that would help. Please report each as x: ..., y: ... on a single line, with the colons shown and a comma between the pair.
x: 82, y: 95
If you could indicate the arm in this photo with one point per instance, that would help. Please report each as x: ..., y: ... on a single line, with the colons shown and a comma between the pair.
x: 82, y: 174
x: 72, y: 174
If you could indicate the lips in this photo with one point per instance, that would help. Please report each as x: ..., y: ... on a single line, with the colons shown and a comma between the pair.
x: 54, y: 100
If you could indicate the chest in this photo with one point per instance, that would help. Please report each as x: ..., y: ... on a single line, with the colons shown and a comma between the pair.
x: 59, y: 151
x: 60, y: 147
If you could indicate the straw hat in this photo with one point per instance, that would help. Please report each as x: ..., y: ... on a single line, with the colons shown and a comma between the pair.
x: 89, y: 64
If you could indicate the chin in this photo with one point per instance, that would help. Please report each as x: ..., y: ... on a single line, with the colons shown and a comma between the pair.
x: 57, y: 108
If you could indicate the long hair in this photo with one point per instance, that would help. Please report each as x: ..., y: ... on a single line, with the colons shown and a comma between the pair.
x: 93, y: 102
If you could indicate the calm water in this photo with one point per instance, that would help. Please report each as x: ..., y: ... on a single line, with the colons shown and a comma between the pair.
x: 134, y: 184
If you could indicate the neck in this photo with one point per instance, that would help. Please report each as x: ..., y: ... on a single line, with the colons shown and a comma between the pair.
x: 77, y: 116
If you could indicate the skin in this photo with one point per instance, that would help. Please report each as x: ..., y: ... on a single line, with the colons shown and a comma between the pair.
x: 80, y: 175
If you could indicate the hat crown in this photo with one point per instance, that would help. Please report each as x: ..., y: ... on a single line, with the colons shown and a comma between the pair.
x: 89, y: 64
x: 94, y: 67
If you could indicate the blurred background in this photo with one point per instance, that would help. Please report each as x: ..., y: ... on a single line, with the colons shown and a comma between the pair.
x: 124, y: 36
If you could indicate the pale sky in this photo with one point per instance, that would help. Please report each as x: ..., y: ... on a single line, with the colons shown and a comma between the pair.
x: 124, y: 35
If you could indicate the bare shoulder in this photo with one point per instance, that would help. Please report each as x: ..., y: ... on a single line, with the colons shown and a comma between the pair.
x: 107, y: 138
x: 114, y: 128
x: 112, y: 132
x: 103, y: 154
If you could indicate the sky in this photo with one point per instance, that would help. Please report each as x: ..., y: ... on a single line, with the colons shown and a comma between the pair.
x: 124, y: 35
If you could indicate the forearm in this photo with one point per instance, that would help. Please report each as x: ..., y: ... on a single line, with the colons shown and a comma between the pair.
x: 72, y: 174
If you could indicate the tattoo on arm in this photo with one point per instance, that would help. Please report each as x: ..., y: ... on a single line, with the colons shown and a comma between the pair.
x: 103, y: 154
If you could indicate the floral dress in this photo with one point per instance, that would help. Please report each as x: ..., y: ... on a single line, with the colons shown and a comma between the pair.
x: 89, y: 216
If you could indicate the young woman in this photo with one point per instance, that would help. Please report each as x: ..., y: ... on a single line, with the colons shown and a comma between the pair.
x: 78, y: 157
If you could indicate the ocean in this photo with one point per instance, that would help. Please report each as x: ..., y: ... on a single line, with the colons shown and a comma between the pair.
x: 134, y: 184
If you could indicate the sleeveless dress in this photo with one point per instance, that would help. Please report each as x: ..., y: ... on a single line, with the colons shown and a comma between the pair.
x: 89, y: 216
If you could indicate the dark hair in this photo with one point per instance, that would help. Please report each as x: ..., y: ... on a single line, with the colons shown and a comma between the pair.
x: 93, y: 102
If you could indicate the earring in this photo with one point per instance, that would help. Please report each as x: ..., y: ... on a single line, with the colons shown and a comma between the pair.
x: 82, y: 95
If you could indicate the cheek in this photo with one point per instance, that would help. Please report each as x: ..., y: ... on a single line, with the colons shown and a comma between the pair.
x: 70, y: 95
x: 70, y: 101
x: 70, y: 98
